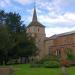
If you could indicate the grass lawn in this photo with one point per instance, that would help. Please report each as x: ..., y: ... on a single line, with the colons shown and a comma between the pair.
x: 26, y: 70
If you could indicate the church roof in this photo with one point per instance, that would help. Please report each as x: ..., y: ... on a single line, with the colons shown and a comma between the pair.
x: 62, y: 34
x: 67, y: 33
x: 35, y: 21
x: 53, y: 37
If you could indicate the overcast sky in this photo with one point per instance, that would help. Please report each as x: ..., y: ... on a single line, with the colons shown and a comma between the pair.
x: 57, y: 15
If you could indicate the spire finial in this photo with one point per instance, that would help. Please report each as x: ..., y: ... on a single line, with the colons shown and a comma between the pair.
x: 34, y: 12
x: 34, y: 4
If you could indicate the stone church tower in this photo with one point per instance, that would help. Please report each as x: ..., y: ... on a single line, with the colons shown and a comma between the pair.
x: 37, y: 30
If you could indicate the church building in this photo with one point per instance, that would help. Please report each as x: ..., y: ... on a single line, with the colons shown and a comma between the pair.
x: 56, y: 44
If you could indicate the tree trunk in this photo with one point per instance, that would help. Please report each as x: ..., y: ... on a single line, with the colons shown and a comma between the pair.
x: 27, y: 59
x: 5, y: 60
x: 21, y: 60
x: 1, y: 60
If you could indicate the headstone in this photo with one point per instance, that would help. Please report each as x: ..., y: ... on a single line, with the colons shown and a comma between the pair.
x: 64, y: 71
x: 4, y: 71
x: 11, y: 70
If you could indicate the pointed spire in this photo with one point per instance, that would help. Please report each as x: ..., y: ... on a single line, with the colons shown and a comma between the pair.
x: 34, y: 13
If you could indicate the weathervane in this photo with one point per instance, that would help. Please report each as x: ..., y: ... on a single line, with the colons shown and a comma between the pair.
x: 34, y: 3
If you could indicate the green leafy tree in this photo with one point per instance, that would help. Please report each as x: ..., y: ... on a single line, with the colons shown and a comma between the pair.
x: 70, y: 55
x: 14, y: 42
x: 14, y: 22
x: 2, y: 17
x: 25, y: 45
x: 5, y: 44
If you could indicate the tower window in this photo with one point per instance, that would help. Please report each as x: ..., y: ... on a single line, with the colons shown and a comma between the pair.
x: 38, y: 29
x: 33, y: 30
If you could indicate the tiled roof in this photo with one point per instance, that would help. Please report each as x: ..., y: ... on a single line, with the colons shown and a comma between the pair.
x: 67, y: 33
x: 62, y: 34
x: 53, y: 37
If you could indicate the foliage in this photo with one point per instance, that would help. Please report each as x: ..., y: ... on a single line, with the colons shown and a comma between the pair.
x: 49, y: 58
x: 47, y: 62
x: 51, y: 64
x: 5, y: 44
x: 2, y: 17
x: 14, y: 41
x: 13, y: 21
x: 65, y: 63
x: 70, y: 55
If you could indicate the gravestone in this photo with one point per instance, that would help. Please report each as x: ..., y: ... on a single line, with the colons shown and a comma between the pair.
x: 64, y: 70
x: 6, y: 71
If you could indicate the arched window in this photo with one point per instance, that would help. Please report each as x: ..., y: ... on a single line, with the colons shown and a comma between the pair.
x: 58, y: 53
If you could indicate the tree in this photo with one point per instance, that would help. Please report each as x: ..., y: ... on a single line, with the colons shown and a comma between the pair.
x: 5, y: 44
x: 14, y: 41
x: 14, y: 22
x: 2, y: 17
x: 25, y: 45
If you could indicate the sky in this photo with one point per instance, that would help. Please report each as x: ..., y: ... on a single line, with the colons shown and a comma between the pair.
x: 58, y: 16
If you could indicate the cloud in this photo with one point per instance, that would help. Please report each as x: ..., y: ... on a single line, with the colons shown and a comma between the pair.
x: 55, y: 14
x: 55, y: 18
x: 52, y: 5
x: 2, y: 4
x: 66, y: 18
x: 5, y: 3
x: 57, y: 30
x: 24, y: 2
x: 70, y: 16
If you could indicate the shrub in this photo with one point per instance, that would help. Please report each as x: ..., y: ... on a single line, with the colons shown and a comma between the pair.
x: 49, y: 58
x: 65, y: 63
x: 51, y: 64
x: 72, y: 63
x: 47, y: 62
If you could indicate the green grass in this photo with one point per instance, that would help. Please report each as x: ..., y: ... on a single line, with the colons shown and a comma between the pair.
x: 26, y: 70
x: 71, y: 71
